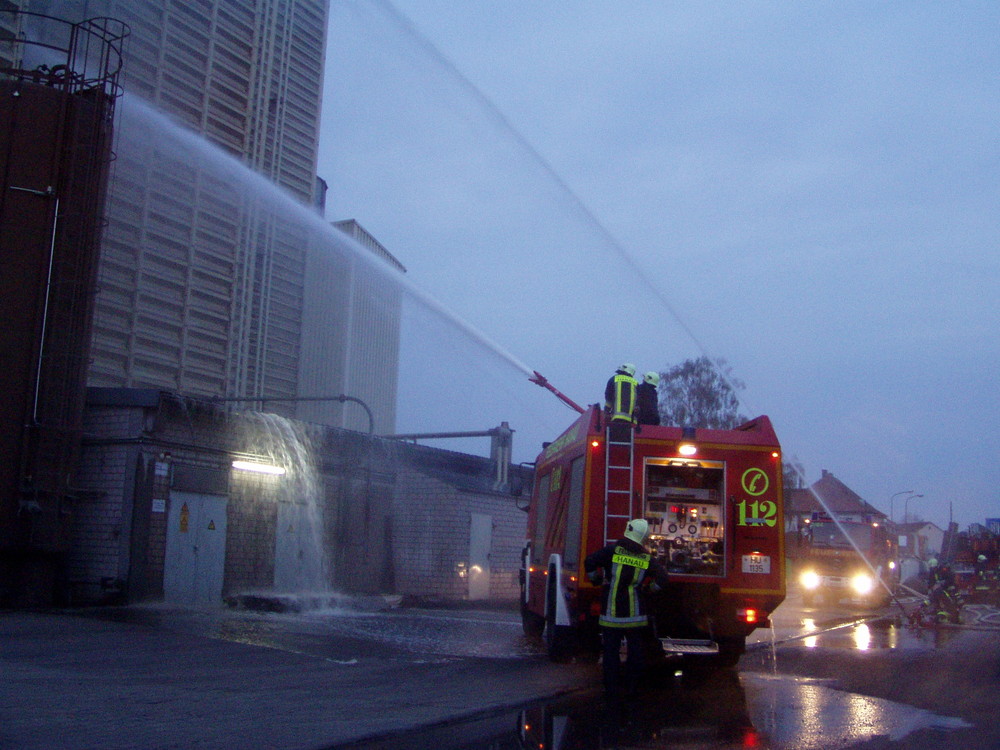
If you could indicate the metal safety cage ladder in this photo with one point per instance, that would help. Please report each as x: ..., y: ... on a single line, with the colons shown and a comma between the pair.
x: 614, y: 471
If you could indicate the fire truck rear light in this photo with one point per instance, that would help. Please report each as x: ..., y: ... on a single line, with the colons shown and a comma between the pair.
x: 687, y: 449
x: 595, y: 443
x: 572, y: 579
x: 750, y: 615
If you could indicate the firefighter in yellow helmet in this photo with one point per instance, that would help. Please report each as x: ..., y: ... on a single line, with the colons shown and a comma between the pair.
x: 619, y: 401
x: 624, y: 566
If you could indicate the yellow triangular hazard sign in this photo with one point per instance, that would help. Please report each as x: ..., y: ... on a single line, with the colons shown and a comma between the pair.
x: 211, y: 525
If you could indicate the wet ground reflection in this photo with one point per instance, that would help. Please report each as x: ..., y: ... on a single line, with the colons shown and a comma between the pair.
x: 722, y: 710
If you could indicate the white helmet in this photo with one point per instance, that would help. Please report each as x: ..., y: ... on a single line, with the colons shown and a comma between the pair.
x: 637, y: 530
x: 932, y: 563
x: 653, y: 378
x: 628, y: 369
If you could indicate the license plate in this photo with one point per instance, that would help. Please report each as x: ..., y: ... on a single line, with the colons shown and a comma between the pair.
x: 756, y: 564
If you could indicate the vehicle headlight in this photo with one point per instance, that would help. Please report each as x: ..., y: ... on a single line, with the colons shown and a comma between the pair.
x: 863, y: 583
x: 809, y: 579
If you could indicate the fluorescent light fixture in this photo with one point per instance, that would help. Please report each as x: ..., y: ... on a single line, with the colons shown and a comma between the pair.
x: 259, y: 468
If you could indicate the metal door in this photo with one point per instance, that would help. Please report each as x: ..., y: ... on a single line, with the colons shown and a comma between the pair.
x: 195, y: 560
x: 480, y: 545
x: 300, y: 563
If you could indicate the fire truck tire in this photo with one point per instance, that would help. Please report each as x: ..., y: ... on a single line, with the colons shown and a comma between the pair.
x: 533, y: 624
x: 558, y: 638
x: 730, y: 651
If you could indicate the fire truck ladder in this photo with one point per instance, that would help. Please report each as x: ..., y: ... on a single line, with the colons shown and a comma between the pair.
x: 617, y: 473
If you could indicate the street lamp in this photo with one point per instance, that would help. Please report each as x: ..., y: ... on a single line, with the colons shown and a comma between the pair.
x: 906, y: 506
x: 894, y: 496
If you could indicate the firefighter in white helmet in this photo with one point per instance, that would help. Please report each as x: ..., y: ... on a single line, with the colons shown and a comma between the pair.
x: 647, y: 402
x: 624, y: 566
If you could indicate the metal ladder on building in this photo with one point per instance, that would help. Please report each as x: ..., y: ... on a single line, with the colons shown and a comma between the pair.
x: 618, y: 470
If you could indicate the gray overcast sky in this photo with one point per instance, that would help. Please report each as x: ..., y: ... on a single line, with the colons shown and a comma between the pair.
x: 809, y: 190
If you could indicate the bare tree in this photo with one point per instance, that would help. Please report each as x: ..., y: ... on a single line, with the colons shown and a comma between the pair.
x: 700, y: 393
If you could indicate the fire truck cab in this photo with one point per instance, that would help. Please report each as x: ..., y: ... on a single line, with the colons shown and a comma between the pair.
x: 713, y: 500
x: 847, y: 559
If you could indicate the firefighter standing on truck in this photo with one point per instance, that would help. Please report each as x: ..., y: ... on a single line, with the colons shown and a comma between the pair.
x: 625, y: 566
x: 647, y: 400
x: 619, y: 401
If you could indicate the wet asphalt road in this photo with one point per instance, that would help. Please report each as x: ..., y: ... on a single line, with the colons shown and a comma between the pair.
x: 379, y: 677
x: 823, y: 678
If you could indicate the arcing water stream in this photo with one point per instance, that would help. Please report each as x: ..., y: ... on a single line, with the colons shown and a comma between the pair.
x: 188, y: 145
x: 472, y: 104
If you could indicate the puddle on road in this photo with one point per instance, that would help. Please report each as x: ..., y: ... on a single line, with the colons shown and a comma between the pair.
x: 807, y: 713
x: 721, y: 710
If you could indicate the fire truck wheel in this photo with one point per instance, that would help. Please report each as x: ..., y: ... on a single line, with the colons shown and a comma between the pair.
x: 534, y: 625
x: 730, y: 651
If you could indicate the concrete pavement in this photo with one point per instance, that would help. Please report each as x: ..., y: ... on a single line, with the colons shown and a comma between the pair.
x: 76, y: 682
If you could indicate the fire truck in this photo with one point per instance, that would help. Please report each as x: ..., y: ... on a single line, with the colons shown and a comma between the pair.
x: 862, y: 568
x: 713, y: 500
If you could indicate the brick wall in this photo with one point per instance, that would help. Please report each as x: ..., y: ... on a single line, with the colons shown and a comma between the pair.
x: 396, y: 518
x: 432, y: 526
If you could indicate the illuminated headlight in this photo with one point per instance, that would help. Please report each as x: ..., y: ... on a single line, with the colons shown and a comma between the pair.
x: 809, y: 580
x: 863, y: 583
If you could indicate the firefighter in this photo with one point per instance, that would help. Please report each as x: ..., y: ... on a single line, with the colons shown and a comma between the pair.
x: 935, y: 572
x: 647, y: 403
x: 624, y: 566
x: 619, y: 401
x: 980, y: 568
x: 941, y: 588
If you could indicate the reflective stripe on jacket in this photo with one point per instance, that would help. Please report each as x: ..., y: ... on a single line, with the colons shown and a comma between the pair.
x: 626, y: 565
x: 619, y: 396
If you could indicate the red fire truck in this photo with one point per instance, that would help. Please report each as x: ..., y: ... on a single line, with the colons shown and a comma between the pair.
x: 713, y: 500
x: 860, y: 566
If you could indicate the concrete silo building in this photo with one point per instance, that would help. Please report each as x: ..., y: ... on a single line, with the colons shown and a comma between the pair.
x: 212, y: 294
x: 203, y: 285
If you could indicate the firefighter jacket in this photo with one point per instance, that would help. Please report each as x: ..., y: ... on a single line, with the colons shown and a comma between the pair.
x: 626, y: 566
x: 647, y: 404
x: 619, y: 396
x: 941, y: 577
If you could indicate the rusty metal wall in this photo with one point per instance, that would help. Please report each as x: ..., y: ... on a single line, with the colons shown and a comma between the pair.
x: 53, y: 166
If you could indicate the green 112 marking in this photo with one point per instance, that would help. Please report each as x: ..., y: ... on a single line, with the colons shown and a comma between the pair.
x: 761, y: 512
